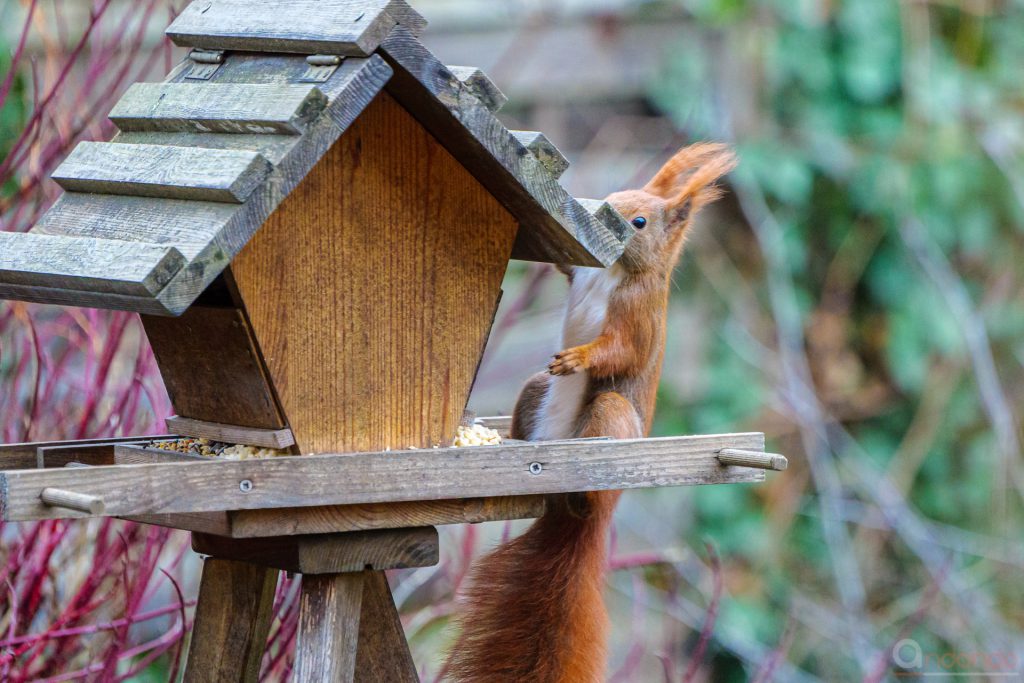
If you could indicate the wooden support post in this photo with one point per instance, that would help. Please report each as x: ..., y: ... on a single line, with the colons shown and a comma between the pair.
x: 349, y: 631
x: 383, y: 653
x: 342, y: 577
x: 236, y: 601
x: 329, y: 609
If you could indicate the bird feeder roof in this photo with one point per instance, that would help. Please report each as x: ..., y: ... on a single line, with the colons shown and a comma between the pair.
x: 149, y: 219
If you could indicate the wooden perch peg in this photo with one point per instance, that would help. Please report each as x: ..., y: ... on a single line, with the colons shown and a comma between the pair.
x: 80, y: 502
x: 762, y: 461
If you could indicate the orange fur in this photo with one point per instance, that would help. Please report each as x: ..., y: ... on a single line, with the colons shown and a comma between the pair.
x: 534, y: 607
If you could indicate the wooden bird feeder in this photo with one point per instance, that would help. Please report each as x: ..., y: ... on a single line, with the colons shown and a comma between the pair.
x: 313, y: 216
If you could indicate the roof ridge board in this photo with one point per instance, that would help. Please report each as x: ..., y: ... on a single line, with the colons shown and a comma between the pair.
x: 556, y: 227
x: 337, y: 27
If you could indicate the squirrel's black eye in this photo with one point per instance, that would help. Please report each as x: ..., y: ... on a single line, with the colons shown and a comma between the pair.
x: 639, y: 222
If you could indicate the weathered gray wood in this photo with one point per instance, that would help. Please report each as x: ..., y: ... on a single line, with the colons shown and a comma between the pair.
x: 86, y: 452
x: 608, y: 216
x: 443, y: 473
x: 81, y: 297
x: 336, y: 27
x: 329, y: 553
x: 233, y: 615
x: 218, y: 108
x: 481, y: 85
x: 544, y: 150
x: 72, y: 500
x: 330, y: 519
x: 383, y: 652
x: 764, y: 461
x: 273, y: 148
x: 322, y: 519
x: 326, y: 642
x: 555, y: 228
x: 202, y: 522
x: 188, y: 226
x: 17, y: 456
x: 208, y: 233
x: 247, y: 436
x: 128, y: 268
x: 218, y: 175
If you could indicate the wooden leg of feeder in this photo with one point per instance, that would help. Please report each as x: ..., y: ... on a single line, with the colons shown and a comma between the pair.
x: 383, y: 653
x: 236, y: 602
x: 329, y: 609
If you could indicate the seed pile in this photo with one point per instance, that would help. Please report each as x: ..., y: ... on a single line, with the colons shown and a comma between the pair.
x: 477, y: 435
x: 217, y: 449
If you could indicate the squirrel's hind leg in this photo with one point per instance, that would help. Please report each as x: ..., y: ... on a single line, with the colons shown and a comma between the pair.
x: 527, y: 412
x: 610, y: 414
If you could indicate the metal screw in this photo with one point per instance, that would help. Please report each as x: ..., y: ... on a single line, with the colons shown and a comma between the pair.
x: 245, y: 485
x: 536, y: 468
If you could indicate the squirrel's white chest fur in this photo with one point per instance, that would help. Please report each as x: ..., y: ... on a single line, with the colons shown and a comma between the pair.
x: 584, y: 318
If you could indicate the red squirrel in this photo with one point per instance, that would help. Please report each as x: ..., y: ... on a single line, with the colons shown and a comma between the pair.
x: 534, y: 607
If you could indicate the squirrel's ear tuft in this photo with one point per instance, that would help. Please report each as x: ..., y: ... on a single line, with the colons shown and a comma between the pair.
x: 689, y: 176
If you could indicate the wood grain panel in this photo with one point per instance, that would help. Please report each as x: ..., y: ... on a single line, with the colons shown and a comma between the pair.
x: 211, y: 367
x: 371, y: 288
x: 325, y: 646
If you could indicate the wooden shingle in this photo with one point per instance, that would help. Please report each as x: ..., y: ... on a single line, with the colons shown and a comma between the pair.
x: 334, y: 27
x: 200, y: 165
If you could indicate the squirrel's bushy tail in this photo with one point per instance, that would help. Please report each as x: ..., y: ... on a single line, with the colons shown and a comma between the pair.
x: 535, y: 610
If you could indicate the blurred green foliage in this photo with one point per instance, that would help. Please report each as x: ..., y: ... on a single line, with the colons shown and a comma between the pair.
x: 854, y: 119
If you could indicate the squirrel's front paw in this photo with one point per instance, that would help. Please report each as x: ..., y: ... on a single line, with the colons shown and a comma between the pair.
x: 569, y: 361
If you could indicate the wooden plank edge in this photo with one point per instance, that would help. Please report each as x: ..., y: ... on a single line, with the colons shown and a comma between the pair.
x: 134, y: 169
x: 361, y: 41
x: 481, y: 85
x: 382, y: 477
x: 247, y: 436
x: 328, y: 519
x: 544, y: 150
x: 209, y: 108
x: 85, y: 264
x: 329, y: 553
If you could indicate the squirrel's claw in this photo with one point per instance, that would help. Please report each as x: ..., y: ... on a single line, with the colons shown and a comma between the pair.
x: 567, y: 362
